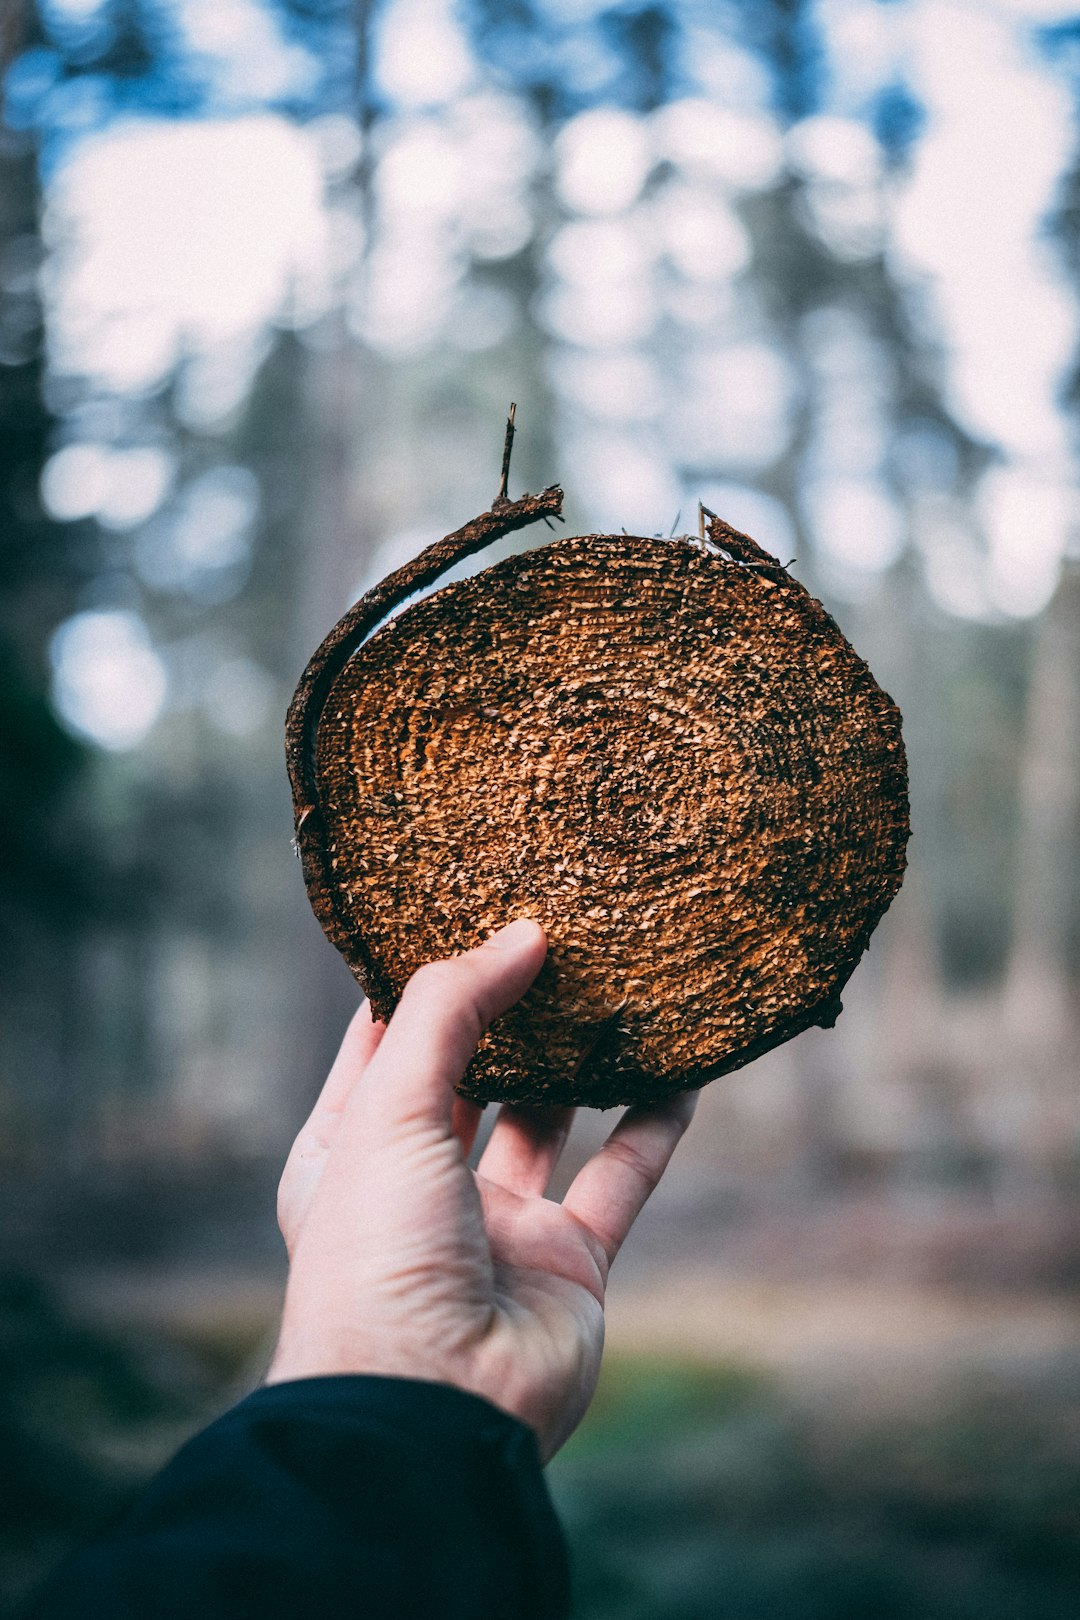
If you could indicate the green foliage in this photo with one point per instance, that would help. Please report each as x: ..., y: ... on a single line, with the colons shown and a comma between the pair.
x: 698, y: 1493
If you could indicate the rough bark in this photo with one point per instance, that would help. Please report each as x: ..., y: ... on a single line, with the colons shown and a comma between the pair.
x: 664, y: 750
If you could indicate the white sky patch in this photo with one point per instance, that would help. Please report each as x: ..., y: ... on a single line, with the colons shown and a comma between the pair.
x: 122, y: 488
x: 617, y: 385
x: 109, y: 685
x: 588, y: 251
x: 840, y: 161
x: 626, y: 481
x: 1037, y: 11
x: 140, y: 479
x: 841, y: 150
x: 449, y: 183
x: 709, y: 140
x: 733, y: 405
x: 402, y: 300
x: 420, y: 172
x: 242, y: 50
x: 421, y: 56
x: 407, y: 294
x: 724, y: 71
x: 1028, y: 523
x: 75, y: 481
x: 604, y: 157
x: 998, y: 137
x: 603, y: 294
x: 601, y: 316
x: 702, y: 235
x: 854, y: 523
x: 223, y: 221
x: 499, y: 149
x: 79, y: 9
x: 865, y: 45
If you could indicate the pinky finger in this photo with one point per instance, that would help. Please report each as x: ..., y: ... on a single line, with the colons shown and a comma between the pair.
x: 610, y: 1191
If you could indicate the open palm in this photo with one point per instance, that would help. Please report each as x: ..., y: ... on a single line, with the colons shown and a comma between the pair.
x: 407, y: 1263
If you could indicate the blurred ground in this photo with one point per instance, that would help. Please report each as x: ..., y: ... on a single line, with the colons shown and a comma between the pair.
x: 266, y: 290
x: 864, y: 1344
x: 698, y: 1491
x: 755, y: 1447
x: 864, y: 1401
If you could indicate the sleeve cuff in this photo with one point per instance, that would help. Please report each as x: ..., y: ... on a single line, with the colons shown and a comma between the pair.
x: 439, y: 1494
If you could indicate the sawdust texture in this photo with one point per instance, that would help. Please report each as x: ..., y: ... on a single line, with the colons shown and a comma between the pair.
x: 664, y: 751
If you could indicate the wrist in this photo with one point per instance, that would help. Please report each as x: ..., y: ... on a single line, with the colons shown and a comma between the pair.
x: 293, y: 1362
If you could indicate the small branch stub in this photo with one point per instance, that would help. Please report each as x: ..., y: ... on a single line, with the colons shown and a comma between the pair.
x: 516, y: 742
x: 502, y: 498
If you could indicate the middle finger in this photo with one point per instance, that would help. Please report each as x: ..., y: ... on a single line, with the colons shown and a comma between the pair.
x: 524, y: 1147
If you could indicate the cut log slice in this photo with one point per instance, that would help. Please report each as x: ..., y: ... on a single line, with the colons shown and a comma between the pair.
x: 669, y: 756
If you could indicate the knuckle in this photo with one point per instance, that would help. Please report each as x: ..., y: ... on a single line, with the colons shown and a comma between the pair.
x: 600, y: 1247
x: 434, y: 979
x: 445, y: 990
x: 624, y: 1151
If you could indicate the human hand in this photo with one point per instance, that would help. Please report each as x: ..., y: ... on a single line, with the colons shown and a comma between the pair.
x: 406, y: 1263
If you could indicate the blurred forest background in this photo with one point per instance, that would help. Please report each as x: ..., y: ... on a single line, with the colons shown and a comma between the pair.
x: 270, y: 273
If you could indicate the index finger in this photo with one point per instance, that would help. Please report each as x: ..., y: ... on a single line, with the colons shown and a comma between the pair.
x: 358, y: 1046
x: 609, y: 1193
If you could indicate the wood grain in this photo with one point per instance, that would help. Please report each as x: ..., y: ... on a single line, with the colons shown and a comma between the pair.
x: 663, y: 750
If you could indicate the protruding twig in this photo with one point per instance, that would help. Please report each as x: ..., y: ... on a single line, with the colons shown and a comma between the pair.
x: 738, y: 546
x: 508, y: 444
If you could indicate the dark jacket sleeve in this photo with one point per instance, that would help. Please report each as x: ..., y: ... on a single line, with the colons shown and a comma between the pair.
x: 372, y: 1498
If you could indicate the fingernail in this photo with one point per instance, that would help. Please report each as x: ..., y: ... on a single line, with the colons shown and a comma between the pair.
x: 514, y: 934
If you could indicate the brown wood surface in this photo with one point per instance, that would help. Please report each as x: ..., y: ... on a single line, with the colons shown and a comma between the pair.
x: 663, y: 750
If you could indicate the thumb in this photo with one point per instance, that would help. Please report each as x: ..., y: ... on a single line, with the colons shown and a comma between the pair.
x: 445, y: 1008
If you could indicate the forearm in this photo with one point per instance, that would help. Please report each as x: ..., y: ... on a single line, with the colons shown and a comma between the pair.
x: 366, y: 1497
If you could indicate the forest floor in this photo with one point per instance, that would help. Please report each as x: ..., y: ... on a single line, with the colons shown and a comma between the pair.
x: 834, y: 1414
x: 877, y: 1345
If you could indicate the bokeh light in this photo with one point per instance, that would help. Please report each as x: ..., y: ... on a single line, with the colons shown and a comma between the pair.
x: 225, y: 227
x: 109, y: 684
x: 270, y: 273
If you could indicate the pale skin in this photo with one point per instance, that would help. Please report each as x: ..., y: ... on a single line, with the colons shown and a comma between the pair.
x: 405, y: 1262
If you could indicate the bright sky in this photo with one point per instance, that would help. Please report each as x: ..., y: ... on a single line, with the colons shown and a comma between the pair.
x: 968, y: 232
x: 223, y: 232
x: 175, y: 245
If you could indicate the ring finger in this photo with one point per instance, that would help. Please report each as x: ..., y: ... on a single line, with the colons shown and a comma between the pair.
x: 524, y: 1148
